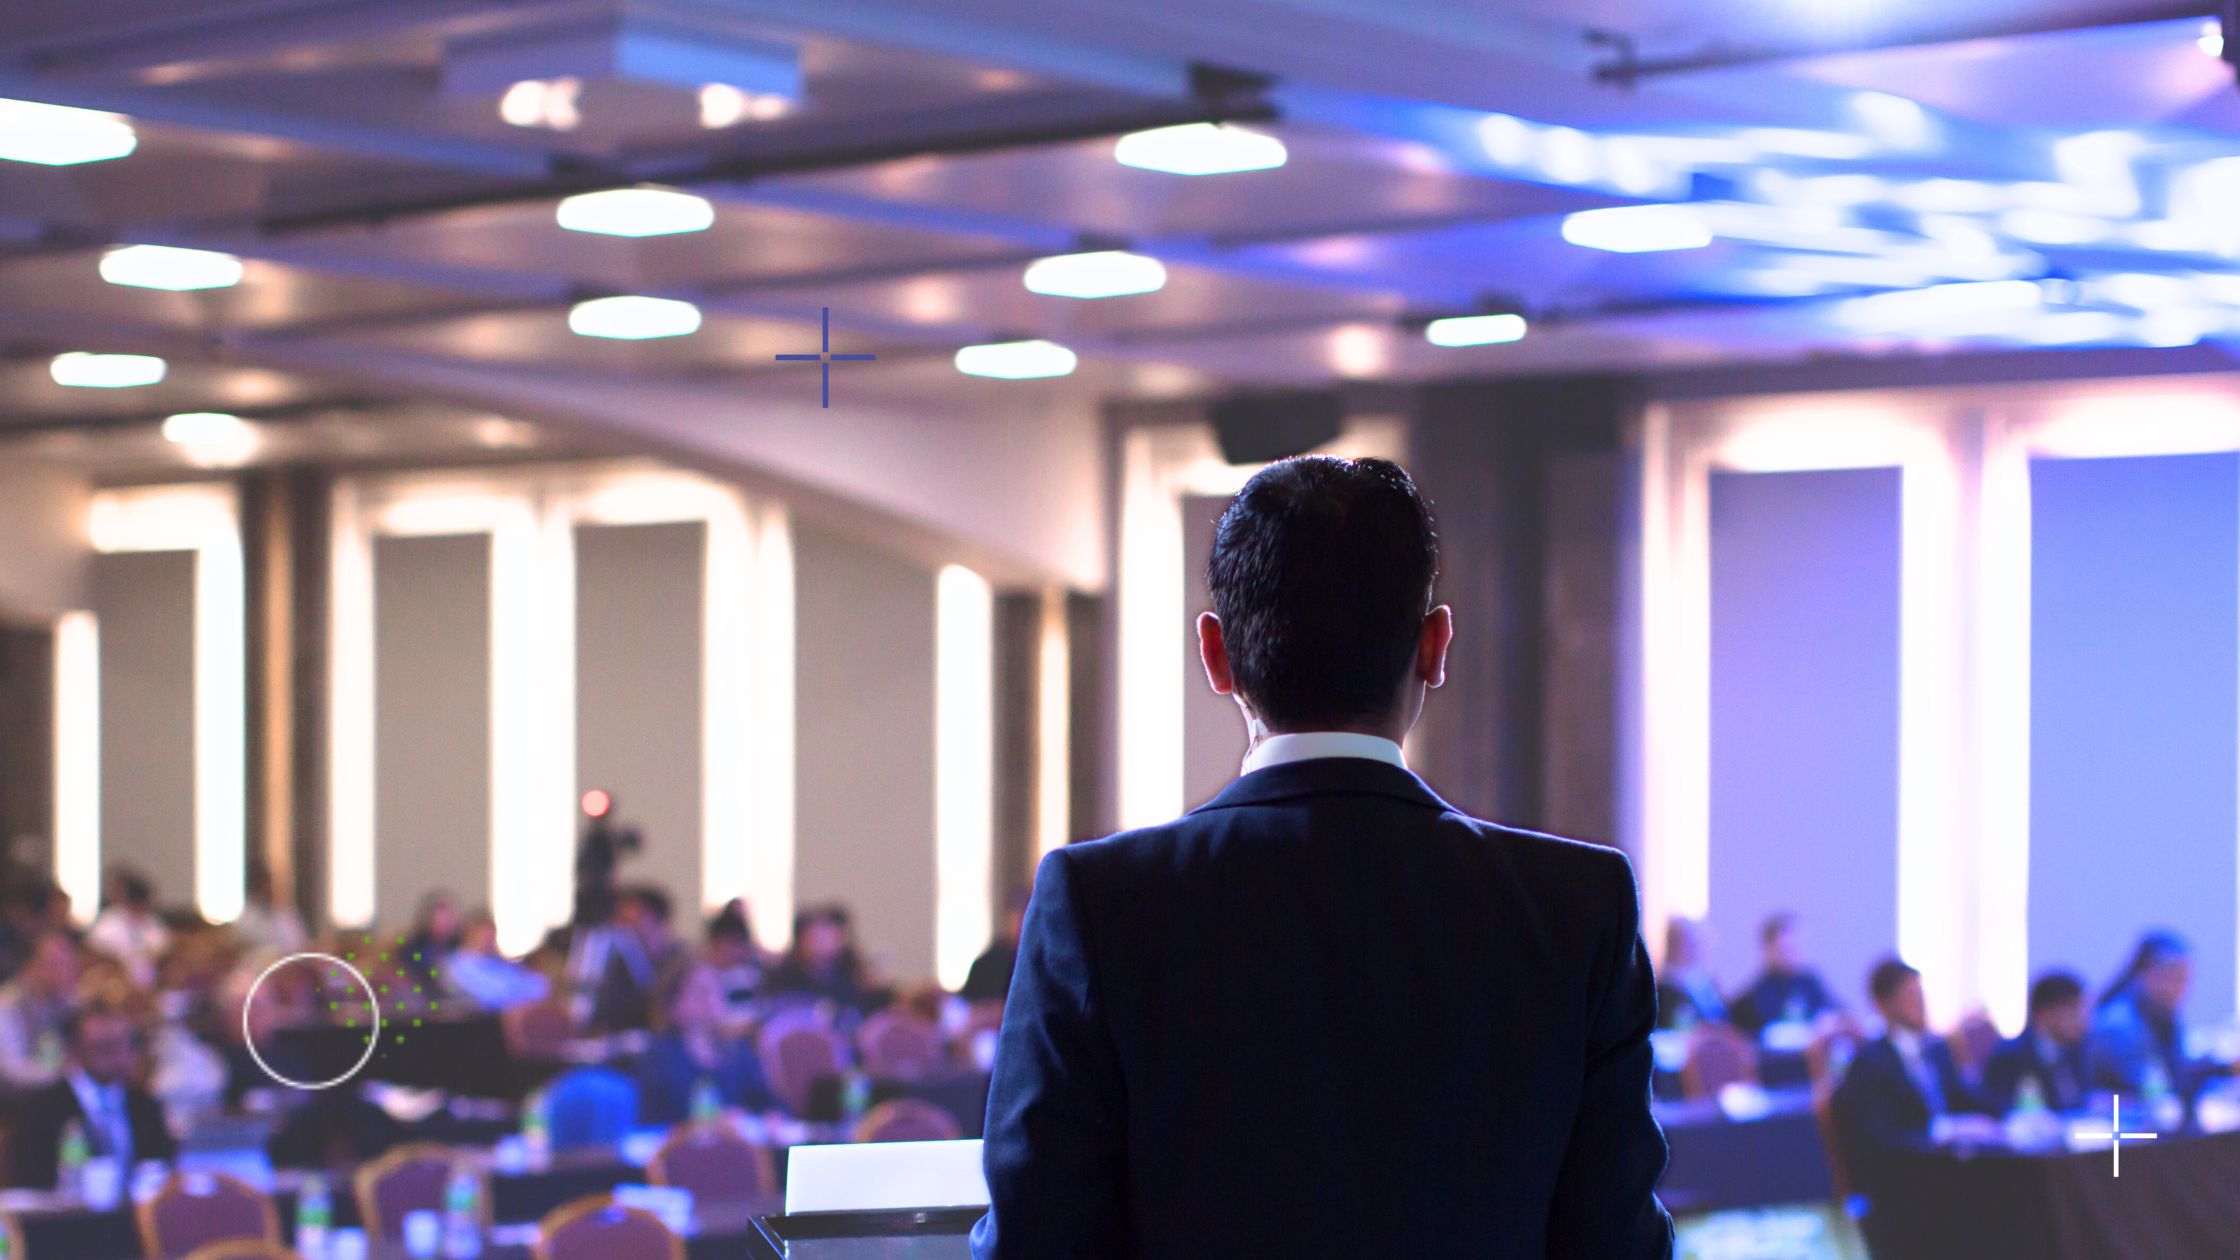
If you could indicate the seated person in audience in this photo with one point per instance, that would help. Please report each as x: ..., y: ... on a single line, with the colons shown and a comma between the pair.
x: 1786, y: 990
x: 2137, y: 1046
x: 823, y: 965
x: 33, y: 1009
x: 434, y: 936
x: 690, y: 1051
x: 1903, y: 1091
x: 127, y: 929
x: 990, y: 977
x: 118, y: 1119
x: 267, y: 924
x: 737, y: 961
x: 483, y: 975
x: 2048, y: 1056
x: 1686, y: 993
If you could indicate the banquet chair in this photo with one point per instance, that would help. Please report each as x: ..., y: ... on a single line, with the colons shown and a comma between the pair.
x: 1718, y: 1056
x: 598, y: 1228
x: 1824, y: 1118
x: 410, y: 1178
x: 897, y: 1045
x: 798, y: 1049
x: 537, y: 1030
x: 716, y: 1163
x: 907, y: 1120
x: 194, y: 1209
x: 242, y: 1249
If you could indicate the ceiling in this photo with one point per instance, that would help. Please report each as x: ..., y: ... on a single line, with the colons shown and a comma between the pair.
x: 1872, y: 177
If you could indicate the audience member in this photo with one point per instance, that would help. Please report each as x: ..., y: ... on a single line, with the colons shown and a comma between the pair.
x: 268, y: 925
x: 1686, y: 993
x: 990, y: 977
x: 1786, y: 990
x: 1901, y: 1088
x: 2137, y: 1046
x: 433, y: 937
x: 690, y: 1053
x: 118, y: 1119
x: 2049, y: 1055
x: 127, y: 929
x: 479, y: 972
x: 738, y: 962
x: 34, y: 1007
x: 823, y: 965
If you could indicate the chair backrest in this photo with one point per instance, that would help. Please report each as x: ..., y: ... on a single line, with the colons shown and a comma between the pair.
x: 598, y: 1228
x: 591, y: 1106
x: 191, y: 1210
x: 716, y: 1163
x: 410, y: 1178
x: 798, y: 1049
x: 899, y: 1045
x: 240, y: 1249
x: 1718, y: 1056
x: 537, y: 1030
x: 1824, y: 1117
x: 907, y: 1120
x: 1973, y: 1043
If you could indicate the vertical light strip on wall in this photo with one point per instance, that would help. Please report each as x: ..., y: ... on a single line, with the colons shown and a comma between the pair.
x: 963, y: 759
x: 1936, y: 866
x: 1053, y: 817
x: 532, y: 720
x: 2001, y: 653
x: 203, y: 519
x: 350, y: 730
x: 1152, y: 665
x: 747, y: 669
x: 77, y: 761
x: 770, y: 754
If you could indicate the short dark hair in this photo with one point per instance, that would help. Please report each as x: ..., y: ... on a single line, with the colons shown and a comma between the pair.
x: 1321, y: 573
x: 2055, y: 988
x: 1775, y: 924
x: 1888, y: 977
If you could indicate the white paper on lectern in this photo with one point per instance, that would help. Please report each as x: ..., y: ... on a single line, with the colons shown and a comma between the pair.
x: 877, y: 1176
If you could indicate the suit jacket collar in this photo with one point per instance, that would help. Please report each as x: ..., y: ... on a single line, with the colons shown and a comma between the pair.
x: 1326, y: 776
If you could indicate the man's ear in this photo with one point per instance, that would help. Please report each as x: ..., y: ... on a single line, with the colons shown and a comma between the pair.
x: 1213, y: 651
x: 1431, y: 647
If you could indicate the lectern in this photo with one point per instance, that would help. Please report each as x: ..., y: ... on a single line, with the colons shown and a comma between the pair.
x: 876, y: 1201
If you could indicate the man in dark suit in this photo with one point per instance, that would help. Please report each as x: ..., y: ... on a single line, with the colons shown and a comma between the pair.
x: 1786, y: 990
x: 118, y: 1119
x: 1902, y: 1095
x: 2049, y: 1054
x: 1326, y: 1014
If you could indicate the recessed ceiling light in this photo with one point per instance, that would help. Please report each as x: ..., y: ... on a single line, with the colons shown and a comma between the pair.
x: 105, y: 371
x: 1637, y: 229
x: 1200, y: 149
x: 1474, y: 330
x: 1016, y: 360
x: 213, y: 439
x: 2211, y: 40
x: 633, y: 318
x: 1104, y: 273
x: 636, y: 212
x: 548, y: 103
x: 59, y: 135
x: 722, y: 105
x: 166, y: 267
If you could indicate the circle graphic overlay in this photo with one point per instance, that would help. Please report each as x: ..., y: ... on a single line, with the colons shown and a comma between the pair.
x: 249, y: 1039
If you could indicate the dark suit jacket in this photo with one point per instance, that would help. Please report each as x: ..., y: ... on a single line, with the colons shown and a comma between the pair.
x: 35, y: 1141
x: 1881, y: 1113
x: 2062, y: 1082
x: 1769, y: 997
x: 1327, y: 1015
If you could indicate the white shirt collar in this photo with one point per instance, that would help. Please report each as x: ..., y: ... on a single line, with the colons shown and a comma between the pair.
x: 1277, y: 750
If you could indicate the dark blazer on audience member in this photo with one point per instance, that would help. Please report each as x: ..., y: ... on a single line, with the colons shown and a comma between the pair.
x: 35, y: 1139
x: 668, y: 1075
x: 1686, y: 1000
x: 1882, y: 1114
x: 1769, y: 997
x: 1326, y: 1015
x: 2062, y: 1079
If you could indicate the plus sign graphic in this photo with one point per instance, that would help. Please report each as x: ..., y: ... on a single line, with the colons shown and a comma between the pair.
x: 825, y: 358
x: 2115, y: 1135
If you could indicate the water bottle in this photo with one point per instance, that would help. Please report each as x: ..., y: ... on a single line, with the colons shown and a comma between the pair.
x: 314, y: 1217
x: 855, y: 1096
x: 536, y: 1129
x: 2162, y: 1104
x: 2029, y: 1097
x: 71, y: 1158
x: 462, y: 1215
x: 2030, y: 1126
x: 707, y: 1102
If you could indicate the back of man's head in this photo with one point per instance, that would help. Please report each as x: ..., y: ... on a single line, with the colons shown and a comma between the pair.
x: 1321, y: 574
